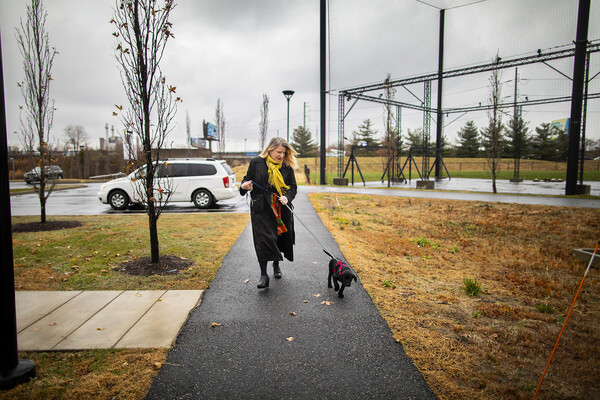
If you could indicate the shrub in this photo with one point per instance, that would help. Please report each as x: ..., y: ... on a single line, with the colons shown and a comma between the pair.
x: 471, y: 287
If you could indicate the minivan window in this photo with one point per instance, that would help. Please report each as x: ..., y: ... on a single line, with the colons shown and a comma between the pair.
x: 227, y: 168
x: 202, y: 169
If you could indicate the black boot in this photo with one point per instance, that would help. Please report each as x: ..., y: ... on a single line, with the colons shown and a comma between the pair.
x: 276, y: 270
x: 263, y: 282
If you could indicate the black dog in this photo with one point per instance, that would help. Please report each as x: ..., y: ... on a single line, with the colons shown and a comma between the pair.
x: 340, y: 272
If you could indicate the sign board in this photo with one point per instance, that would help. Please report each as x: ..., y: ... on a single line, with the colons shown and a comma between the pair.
x: 198, y: 143
x: 562, y: 124
x: 210, y: 131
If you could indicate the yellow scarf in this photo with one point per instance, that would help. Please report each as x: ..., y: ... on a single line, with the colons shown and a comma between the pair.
x: 275, y: 177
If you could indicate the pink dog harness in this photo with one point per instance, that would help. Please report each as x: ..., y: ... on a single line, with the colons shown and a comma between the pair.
x: 339, y: 265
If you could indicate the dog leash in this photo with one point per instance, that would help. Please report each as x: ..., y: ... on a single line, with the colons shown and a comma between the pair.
x: 303, y: 224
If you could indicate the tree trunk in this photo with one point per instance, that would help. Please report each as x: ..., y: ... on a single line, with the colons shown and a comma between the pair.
x: 41, y: 194
x: 154, y: 249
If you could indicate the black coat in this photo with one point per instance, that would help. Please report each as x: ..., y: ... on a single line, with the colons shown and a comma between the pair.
x: 267, y: 243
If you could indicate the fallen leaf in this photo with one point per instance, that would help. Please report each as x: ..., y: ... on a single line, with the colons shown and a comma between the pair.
x: 247, y: 280
x: 290, y: 339
x: 52, y: 324
x: 100, y: 329
x: 214, y: 324
x: 327, y: 302
x: 317, y: 295
x: 305, y: 301
x: 293, y: 313
x: 157, y: 365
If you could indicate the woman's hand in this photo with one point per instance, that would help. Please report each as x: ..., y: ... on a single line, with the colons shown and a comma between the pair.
x: 283, y: 200
x: 247, y: 185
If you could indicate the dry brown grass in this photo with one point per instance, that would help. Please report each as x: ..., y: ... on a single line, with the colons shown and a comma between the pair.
x: 494, y: 345
x: 95, y: 375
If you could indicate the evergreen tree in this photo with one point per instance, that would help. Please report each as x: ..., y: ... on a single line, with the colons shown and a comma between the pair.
x: 365, y: 135
x: 415, y: 138
x: 548, y: 142
x: 469, y: 141
x: 561, y: 144
x: 517, y: 136
x: 303, y: 143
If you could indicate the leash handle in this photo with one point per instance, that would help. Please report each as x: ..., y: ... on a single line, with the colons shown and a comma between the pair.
x: 292, y: 211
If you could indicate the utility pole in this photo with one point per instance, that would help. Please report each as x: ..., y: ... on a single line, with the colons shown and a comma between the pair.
x: 583, y: 17
x: 323, y: 57
x: 516, y: 117
x: 304, y: 124
x: 440, y: 114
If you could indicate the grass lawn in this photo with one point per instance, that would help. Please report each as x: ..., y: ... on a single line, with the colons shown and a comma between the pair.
x: 417, y: 258
x: 83, y: 258
x: 422, y: 260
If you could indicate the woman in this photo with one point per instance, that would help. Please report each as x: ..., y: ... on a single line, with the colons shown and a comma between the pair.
x: 272, y: 221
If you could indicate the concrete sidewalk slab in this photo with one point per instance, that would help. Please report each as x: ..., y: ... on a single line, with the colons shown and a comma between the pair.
x: 49, y: 331
x: 33, y: 306
x: 75, y: 320
x: 147, y: 333
x: 109, y: 325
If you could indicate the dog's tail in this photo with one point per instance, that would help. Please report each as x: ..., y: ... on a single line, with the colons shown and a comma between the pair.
x: 328, y: 253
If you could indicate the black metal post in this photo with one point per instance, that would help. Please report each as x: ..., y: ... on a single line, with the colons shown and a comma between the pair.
x: 440, y: 114
x: 12, y: 370
x: 583, y: 17
x: 288, y: 94
x: 323, y: 56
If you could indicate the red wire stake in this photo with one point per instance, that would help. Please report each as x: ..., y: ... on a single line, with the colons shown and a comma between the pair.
x: 565, y: 324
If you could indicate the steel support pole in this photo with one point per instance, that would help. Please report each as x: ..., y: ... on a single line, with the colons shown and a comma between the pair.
x: 323, y: 56
x: 12, y: 370
x: 440, y: 119
x: 583, y: 17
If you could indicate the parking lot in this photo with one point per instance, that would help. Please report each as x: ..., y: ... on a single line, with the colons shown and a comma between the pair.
x: 84, y: 201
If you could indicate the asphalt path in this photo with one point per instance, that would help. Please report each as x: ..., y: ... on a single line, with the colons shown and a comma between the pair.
x: 244, y: 343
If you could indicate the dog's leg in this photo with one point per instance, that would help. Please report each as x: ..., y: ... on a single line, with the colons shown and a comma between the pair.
x: 341, y: 292
x: 329, y: 277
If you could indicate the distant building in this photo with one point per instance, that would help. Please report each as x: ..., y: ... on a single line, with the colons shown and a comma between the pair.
x: 113, y: 143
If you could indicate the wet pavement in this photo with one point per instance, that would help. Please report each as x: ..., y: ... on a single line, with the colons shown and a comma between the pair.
x: 293, y: 340
x: 527, y: 187
x: 83, y: 200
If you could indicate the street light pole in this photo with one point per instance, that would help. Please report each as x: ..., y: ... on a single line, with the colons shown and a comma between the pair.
x: 288, y: 94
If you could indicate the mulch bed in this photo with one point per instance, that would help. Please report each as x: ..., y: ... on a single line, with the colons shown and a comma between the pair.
x: 143, y: 266
x: 46, y: 226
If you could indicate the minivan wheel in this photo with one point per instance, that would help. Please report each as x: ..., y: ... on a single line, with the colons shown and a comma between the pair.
x: 202, y: 198
x: 118, y: 200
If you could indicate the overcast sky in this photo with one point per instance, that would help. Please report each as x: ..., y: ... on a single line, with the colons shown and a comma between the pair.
x: 238, y: 50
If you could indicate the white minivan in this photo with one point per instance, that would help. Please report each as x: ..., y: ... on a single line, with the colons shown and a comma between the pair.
x: 201, y: 180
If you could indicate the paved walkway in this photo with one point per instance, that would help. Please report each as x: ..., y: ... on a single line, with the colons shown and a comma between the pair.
x: 75, y: 320
x: 294, y: 340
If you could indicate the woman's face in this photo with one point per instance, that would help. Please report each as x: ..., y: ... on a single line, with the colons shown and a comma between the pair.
x: 277, y: 153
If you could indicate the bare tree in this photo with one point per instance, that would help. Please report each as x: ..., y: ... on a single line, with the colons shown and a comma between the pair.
x: 220, y: 123
x: 492, y: 135
x: 38, y: 57
x: 263, y: 125
x: 391, y: 139
x: 76, y: 135
x: 188, y: 129
x: 142, y: 31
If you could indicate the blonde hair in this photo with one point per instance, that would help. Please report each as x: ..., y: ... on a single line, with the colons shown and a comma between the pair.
x: 290, y: 153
